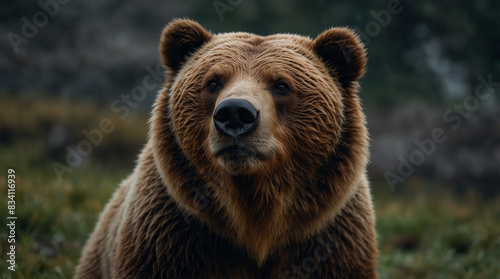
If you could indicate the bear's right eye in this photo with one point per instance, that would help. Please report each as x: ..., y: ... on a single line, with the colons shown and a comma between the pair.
x: 213, y: 86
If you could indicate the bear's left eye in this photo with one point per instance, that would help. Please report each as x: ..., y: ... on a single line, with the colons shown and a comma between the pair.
x: 281, y: 88
x: 213, y: 86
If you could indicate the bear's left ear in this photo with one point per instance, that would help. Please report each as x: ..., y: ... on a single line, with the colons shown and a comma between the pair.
x: 180, y: 39
x: 343, y: 53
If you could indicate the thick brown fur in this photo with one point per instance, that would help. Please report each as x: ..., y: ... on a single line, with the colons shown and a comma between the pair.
x: 298, y: 207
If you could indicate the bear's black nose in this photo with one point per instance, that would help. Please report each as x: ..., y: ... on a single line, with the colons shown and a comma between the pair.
x: 236, y: 117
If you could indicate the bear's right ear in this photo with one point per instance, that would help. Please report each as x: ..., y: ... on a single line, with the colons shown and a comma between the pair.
x: 343, y: 53
x: 181, y: 38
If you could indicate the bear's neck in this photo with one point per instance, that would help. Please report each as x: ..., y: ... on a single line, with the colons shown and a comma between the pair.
x: 258, y: 214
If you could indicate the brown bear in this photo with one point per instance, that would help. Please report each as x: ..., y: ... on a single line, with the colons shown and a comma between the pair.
x: 254, y: 168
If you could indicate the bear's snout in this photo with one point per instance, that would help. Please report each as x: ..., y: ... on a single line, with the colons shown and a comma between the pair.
x: 236, y: 117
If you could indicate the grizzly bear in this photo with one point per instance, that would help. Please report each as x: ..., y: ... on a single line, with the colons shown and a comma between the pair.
x: 255, y: 166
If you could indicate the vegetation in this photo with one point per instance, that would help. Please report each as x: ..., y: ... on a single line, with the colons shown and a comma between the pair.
x: 422, y: 234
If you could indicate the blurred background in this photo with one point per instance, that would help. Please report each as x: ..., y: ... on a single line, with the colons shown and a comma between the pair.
x: 78, y: 78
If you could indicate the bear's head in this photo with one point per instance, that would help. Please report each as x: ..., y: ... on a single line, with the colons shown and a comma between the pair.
x: 260, y: 138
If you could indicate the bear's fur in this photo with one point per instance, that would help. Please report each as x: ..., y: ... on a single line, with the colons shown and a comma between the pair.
x: 293, y: 203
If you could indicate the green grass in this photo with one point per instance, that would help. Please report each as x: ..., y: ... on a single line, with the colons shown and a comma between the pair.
x: 53, y: 218
x: 422, y: 233
x: 429, y: 235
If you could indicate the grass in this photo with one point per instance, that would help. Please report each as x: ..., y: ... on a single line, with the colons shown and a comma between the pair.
x: 422, y: 233
x: 429, y: 235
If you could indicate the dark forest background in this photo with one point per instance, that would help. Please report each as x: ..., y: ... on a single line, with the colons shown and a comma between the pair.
x: 424, y: 59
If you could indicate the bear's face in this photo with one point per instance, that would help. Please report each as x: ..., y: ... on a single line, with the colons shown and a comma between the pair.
x: 251, y: 104
x: 261, y: 138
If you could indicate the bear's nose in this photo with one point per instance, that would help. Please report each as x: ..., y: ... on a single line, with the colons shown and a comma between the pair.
x: 236, y: 117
